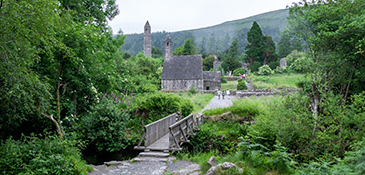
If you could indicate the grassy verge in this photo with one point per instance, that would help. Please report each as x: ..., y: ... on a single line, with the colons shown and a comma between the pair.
x: 199, y: 100
x: 245, y: 107
x: 275, y: 81
x: 229, y: 85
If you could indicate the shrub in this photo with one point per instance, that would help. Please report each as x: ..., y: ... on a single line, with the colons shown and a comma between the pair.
x: 255, y: 66
x: 104, y: 127
x: 265, y: 70
x: 240, y: 80
x: 239, y: 71
x: 193, y: 89
x: 159, y: 105
x: 279, y: 70
x: 241, y: 85
x: 32, y: 155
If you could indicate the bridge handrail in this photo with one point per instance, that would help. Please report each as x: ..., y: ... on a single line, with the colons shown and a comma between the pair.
x: 180, y: 132
x: 156, y: 130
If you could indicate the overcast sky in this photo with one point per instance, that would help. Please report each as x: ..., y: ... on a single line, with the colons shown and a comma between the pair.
x: 173, y: 15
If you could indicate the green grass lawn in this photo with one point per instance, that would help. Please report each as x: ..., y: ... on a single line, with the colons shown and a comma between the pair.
x: 275, y: 81
x: 199, y: 100
x: 229, y: 85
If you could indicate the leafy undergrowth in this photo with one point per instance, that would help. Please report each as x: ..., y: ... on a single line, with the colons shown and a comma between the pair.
x: 275, y: 81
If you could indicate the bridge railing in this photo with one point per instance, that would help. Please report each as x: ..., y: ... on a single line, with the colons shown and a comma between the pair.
x: 181, y: 131
x: 156, y: 130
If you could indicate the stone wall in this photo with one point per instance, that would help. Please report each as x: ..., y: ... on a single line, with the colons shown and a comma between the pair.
x: 212, y: 80
x: 181, y: 84
x: 264, y: 92
x: 233, y: 78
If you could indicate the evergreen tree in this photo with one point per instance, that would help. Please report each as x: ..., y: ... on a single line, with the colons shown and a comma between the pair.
x: 226, y: 41
x: 203, y: 44
x: 219, y: 45
x: 156, y: 52
x: 208, y: 63
x: 269, y: 49
x: 284, y: 45
x: 187, y: 49
x: 255, y: 46
x: 231, y: 56
x: 211, y: 44
x: 296, y: 44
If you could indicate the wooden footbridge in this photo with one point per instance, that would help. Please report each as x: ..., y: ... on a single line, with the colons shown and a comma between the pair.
x: 169, y: 133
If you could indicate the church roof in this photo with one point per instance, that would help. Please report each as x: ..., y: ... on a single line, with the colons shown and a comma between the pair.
x: 147, y: 24
x: 183, y: 67
x: 168, y: 39
x: 212, y: 75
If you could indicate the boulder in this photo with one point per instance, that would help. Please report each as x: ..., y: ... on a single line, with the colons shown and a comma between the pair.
x: 212, y: 161
x: 212, y: 171
x: 228, y: 165
x: 191, y: 170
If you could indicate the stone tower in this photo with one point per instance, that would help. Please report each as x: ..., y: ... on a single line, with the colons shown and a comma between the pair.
x: 168, y: 48
x: 147, y: 40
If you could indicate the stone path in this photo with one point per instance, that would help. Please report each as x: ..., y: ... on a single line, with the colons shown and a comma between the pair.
x: 215, y: 103
x: 141, y: 168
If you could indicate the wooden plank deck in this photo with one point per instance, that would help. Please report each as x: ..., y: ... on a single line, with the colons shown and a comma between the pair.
x: 161, y: 144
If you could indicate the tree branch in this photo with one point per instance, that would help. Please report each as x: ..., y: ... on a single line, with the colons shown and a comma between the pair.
x: 59, y: 130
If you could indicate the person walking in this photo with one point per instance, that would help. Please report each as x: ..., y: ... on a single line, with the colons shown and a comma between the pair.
x: 219, y: 94
x: 227, y: 92
x: 223, y: 95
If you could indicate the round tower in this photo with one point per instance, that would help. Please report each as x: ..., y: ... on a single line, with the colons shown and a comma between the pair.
x: 168, y: 48
x: 147, y: 40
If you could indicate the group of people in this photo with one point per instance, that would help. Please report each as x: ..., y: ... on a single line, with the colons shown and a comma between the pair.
x: 223, y: 94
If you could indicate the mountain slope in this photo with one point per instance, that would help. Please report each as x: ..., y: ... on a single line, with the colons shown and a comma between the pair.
x: 271, y: 23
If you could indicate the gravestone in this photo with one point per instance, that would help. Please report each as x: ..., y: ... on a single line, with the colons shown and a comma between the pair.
x: 283, y: 62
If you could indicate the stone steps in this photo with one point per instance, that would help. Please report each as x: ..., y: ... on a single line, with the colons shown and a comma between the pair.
x: 154, y: 154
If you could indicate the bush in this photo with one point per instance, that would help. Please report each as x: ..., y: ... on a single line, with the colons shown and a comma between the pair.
x: 279, y: 70
x: 193, y: 89
x: 241, y: 85
x: 255, y: 66
x: 240, y: 80
x: 32, y: 155
x: 104, y: 127
x: 239, y: 71
x: 159, y: 105
x: 274, y: 64
x: 265, y: 70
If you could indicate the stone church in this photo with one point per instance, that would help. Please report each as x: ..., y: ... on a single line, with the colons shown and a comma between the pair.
x: 180, y: 72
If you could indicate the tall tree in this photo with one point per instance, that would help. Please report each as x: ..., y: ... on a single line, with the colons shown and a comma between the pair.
x: 284, y: 48
x: 219, y: 45
x: 203, y: 44
x: 269, y: 50
x: 226, y: 41
x: 211, y: 43
x: 187, y: 49
x: 231, y: 56
x: 296, y: 44
x: 255, y: 46
x: 92, y: 11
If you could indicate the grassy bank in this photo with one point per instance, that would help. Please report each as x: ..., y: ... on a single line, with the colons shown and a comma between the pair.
x: 229, y: 85
x: 275, y: 81
x: 199, y: 100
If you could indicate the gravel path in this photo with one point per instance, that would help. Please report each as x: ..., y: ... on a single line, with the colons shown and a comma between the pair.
x: 215, y: 103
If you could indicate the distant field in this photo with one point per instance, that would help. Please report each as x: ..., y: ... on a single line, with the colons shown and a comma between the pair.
x: 229, y: 85
x: 275, y: 81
